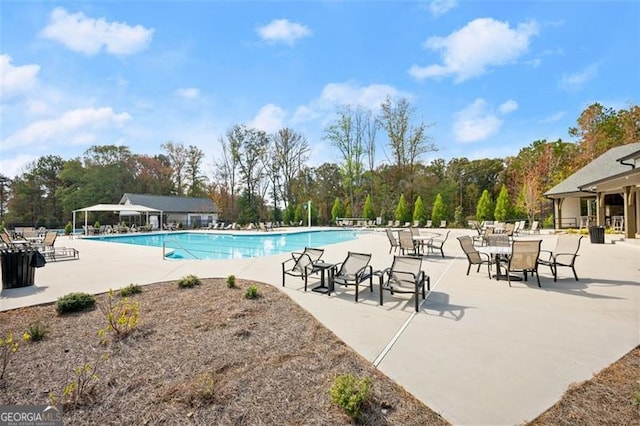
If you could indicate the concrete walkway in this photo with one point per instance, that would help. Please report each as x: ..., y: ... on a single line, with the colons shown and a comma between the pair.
x: 478, y: 352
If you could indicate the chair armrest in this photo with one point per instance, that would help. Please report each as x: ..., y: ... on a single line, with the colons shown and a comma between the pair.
x: 362, y: 272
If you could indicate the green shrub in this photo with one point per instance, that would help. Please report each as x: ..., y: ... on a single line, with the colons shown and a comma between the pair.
x: 68, y: 229
x: 35, y: 332
x: 350, y: 393
x: 130, y: 290
x: 251, y: 293
x: 189, y: 281
x: 121, y: 317
x: 96, y: 224
x: 205, y: 386
x: 231, y: 281
x: 74, y: 302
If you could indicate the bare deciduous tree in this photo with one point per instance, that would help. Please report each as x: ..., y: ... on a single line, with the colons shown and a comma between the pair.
x: 177, y: 155
x: 291, y: 152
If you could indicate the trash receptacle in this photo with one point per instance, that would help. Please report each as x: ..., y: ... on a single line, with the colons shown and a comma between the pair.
x: 17, y: 267
x: 596, y: 234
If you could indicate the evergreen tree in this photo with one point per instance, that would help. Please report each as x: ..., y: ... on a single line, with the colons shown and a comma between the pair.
x: 503, y: 205
x: 402, y: 213
x: 300, y: 213
x: 337, y: 210
x: 459, y: 217
x: 438, y: 212
x: 419, y: 211
x: 484, y: 210
x: 367, y: 211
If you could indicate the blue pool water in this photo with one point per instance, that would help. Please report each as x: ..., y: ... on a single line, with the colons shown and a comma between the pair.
x: 196, y: 245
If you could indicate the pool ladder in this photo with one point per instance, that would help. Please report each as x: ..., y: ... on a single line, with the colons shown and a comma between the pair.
x: 174, y: 240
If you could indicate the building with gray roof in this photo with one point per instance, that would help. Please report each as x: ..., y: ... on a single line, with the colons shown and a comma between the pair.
x: 189, y: 211
x: 605, y: 192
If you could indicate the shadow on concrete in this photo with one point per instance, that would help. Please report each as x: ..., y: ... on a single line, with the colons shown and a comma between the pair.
x: 437, y: 304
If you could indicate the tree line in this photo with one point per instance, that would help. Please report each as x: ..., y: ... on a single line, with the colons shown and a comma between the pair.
x: 267, y: 177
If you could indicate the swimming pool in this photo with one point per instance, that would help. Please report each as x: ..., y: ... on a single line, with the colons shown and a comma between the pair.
x: 198, y: 245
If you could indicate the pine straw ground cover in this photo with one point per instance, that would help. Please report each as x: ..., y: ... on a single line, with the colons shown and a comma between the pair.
x: 612, y: 397
x: 203, y: 355
x: 207, y: 355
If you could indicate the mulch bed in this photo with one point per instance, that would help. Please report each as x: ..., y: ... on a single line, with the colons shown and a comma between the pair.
x: 204, y: 355
x: 611, y: 397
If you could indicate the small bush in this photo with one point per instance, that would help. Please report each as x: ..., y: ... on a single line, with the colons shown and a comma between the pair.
x: 121, y: 317
x: 189, y: 281
x: 350, y: 393
x: 130, y: 290
x: 251, y: 293
x: 231, y: 281
x: 35, y: 332
x: 205, y: 386
x: 74, y: 302
x: 68, y: 228
x: 8, y: 347
x: 85, y: 378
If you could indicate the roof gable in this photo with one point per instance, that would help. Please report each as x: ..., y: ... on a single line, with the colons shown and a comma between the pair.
x: 603, y: 167
x: 169, y: 203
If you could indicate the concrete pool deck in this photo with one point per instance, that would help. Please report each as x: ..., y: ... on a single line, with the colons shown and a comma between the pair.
x: 477, y: 352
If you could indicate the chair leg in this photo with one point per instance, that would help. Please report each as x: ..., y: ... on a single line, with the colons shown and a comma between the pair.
x: 468, y: 268
x: 416, y: 296
x: 537, y: 276
x: 574, y: 272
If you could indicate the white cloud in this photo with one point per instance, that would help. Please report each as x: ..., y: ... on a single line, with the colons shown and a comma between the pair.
x: 270, y: 118
x: 556, y: 116
x: 470, y: 51
x: 440, y: 7
x: 75, y: 127
x: 508, y: 106
x: 283, y: 31
x: 89, y: 35
x: 188, y: 93
x: 16, y: 79
x: 475, y: 123
x: 15, y: 166
x: 575, y: 81
x: 348, y: 93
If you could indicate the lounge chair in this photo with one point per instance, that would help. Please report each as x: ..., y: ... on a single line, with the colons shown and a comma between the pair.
x: 407, y: 243
x: 55, y: 253
x: 302, y: 264
x: 392, y: 240
x: 438, y: 243
x: 429, y: 224
x: 355, y: 269
x: 11, y: 242
x: 405, y: 276
x: 564, y: 254
x: 443, y: 224
x: 533, y: 229
x: 524, y: 258
x: 474, y: 256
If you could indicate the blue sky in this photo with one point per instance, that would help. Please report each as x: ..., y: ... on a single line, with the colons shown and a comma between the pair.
x: 491, y: 76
